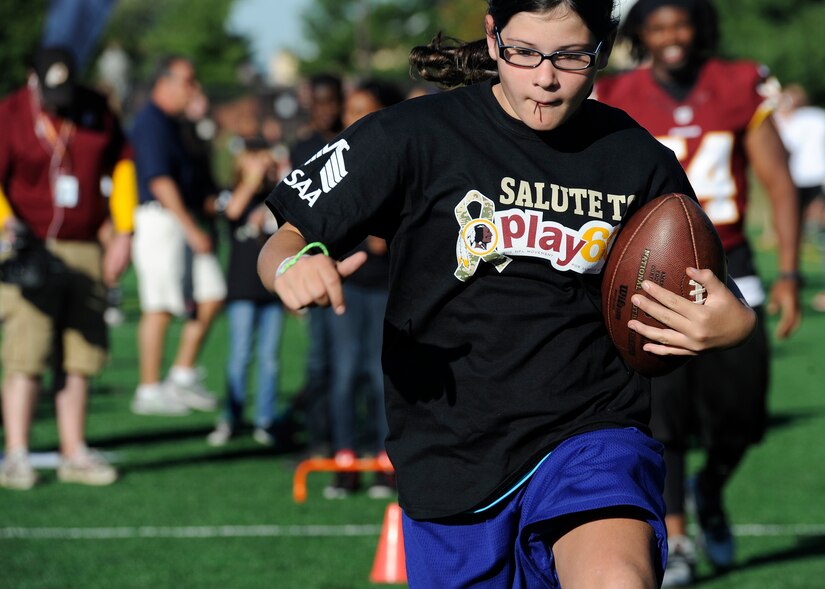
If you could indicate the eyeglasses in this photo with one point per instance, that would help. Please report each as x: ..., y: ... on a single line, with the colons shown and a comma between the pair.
x: 568, y: 61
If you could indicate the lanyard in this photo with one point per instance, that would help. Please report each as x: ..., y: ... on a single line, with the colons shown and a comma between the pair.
x: 57, y: 144
x: 56, y: 141
x: 53, y: 141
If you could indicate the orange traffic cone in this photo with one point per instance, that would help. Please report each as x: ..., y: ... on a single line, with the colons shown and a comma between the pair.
x: 389, y: 565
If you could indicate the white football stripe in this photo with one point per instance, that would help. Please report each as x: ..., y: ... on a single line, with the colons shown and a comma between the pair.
x: 306, y: 531
x: 126, y: 532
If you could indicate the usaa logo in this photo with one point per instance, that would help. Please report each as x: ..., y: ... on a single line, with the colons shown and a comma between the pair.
x: 331, y: 174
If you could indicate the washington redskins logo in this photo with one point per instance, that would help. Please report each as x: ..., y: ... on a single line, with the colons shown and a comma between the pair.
x: 480, y: 236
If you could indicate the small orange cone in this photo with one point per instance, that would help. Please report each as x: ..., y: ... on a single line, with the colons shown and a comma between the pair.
x: 389, y: 565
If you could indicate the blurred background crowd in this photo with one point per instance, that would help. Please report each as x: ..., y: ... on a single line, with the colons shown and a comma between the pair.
x: 198, y: 110
x: 251, y: 107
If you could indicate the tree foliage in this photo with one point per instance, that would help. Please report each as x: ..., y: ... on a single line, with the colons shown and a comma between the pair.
x: 462, y: 19
x: 19, y: 37
x: 366, y: 37
x: 148, y: 30
x: 145, y: 29
x: 373, y: 37
x: 785, y: 35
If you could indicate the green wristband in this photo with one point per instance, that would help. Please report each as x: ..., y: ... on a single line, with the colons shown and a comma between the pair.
x: 292, y: 260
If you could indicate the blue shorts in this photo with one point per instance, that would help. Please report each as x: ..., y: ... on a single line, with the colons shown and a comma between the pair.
x: 608, y: 473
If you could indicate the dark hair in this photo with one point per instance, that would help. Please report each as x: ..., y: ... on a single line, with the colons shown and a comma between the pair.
x: 327, y: 81
x: 702, y: 14
x: 386, y: 93
x: 451, y: 62
x: 163, y: 66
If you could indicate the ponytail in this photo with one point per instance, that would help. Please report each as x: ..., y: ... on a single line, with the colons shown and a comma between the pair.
x: 451, y: 62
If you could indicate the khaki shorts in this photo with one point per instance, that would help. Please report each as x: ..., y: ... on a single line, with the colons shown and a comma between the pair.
x: 67, y: 313
x: 167, y: 272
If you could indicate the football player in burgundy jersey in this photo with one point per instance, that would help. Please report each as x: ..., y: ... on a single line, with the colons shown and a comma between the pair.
x: 716, y: 116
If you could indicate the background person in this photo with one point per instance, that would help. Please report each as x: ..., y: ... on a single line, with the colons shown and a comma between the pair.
x: 59, y: 140
x: 326, y: 101
x: 171, y: 249
x: 356, y: 336
x: 715, y: 115
x: 802, y: 128
x: 255, y: 314
x: 516, y: 432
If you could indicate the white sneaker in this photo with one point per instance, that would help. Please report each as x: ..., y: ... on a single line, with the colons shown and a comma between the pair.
x: 16, y: 471
x: 220, y: 436
x: 193, y: 395
x: 88, y: 467
x: 113, y: 316
x: 263, y: 437
x: 681, y: 562
x: 157, y: 399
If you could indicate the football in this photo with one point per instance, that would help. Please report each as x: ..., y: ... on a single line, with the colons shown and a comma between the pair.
x: 662, y: 239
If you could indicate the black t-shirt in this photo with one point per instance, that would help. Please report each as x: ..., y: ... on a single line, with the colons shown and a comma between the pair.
x: 245, y: 243
x: 200, y: 154
x: 375, y: 271
x: 494, y: 345
x: 305, y: 149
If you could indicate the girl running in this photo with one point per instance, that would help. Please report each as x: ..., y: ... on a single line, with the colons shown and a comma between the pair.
x: 518, y: 436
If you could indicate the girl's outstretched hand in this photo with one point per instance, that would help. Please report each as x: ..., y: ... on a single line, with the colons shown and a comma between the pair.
x: 723, y: 321
x: 317, y: 280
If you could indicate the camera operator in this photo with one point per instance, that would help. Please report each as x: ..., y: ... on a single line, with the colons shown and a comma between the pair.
x: 59, y: 141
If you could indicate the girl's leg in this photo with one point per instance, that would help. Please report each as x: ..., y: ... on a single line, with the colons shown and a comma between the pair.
x: 241, y: 329
x: 316, y: 402
x: 346, y: 352
x: 375, y: 306
x: 593, y: 514
x: 675, y: 491
x: 615, y: 552
x: 270, y: 323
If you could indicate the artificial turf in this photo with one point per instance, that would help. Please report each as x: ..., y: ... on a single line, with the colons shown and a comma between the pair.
x: 187, y: 515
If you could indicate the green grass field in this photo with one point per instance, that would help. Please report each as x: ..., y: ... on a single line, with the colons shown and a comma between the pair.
x: 187, y: 515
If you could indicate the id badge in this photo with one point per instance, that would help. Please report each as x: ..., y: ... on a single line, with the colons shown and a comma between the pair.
x: 66, y: 191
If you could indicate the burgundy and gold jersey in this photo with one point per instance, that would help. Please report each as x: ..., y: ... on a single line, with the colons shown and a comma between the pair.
x: 52, y: 169
x: 706, y: 130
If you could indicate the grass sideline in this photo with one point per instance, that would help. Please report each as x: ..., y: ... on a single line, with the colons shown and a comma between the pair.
x: 187, y: 515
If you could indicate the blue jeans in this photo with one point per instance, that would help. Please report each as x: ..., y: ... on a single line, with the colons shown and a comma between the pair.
x: 246, y: 320
x: 357, y: 337
x: 316, y: 391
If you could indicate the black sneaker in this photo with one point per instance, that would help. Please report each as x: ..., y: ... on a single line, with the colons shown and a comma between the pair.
x: 343, y: 484
x: 715, y: 537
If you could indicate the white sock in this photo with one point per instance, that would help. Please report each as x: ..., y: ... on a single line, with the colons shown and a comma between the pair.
x: 147, y: 389
x: 183, y: 375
